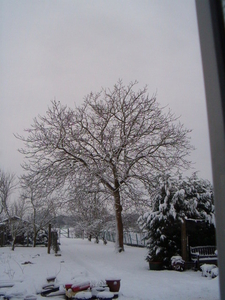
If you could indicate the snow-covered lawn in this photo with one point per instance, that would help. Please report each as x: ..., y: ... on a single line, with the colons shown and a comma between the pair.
x: 84, y: 260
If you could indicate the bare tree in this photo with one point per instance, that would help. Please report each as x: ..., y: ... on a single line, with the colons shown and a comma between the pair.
x: 89, y: 210
x: 41, y: 207
x: 7, y: 186
x: 16, y: 224
x: 14, y: 210
x: 120, y: 137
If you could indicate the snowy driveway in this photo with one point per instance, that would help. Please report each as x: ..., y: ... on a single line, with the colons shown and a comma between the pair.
x: 84, y: 260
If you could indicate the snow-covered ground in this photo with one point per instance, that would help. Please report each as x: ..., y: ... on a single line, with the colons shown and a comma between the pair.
x: 84, y: 260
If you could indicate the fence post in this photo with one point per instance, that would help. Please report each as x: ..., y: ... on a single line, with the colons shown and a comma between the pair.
x: 184, y: 240
x: 49, y: 238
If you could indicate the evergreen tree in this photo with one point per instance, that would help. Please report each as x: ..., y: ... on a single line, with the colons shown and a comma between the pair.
x: 175, y: 201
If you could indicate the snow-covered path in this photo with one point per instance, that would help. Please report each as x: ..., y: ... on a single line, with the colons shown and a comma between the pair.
x: 86, y: 260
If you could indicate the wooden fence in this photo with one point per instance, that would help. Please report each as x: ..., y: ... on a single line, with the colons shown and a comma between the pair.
x: 129, y: 238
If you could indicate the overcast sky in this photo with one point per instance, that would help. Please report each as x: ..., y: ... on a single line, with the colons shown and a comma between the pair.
x: 64, y: 49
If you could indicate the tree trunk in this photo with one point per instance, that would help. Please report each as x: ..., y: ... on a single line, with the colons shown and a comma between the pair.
x: 35, y: 238
x: 13, y: 244
x: 119, y: 223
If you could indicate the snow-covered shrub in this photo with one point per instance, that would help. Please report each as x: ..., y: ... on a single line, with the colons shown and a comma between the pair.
x: 214, y: 272
x: 177, y: 263
x: 207, y: 270
x: 174, y: 201
x: 162, y: 238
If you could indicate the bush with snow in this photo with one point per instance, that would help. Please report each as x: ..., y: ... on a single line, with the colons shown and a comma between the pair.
x: 209, y: 270
x: 174, y: 201
x: 214, y: 272
x: 177, y: 263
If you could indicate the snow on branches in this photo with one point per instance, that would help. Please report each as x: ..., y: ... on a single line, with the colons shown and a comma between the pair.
x: 175, y: 200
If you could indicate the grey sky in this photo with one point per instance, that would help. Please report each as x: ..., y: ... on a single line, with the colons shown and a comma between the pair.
x: 66, y: 49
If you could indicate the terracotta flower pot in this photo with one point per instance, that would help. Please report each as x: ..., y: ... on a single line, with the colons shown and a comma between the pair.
x: 113, y: 284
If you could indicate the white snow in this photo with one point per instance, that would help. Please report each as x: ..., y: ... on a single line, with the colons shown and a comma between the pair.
x: 214, y: 272
x: 84, y: 295
x: 82, y: 260
x: 105, y: 295
x: 207, y: 269
x: 176, y: 259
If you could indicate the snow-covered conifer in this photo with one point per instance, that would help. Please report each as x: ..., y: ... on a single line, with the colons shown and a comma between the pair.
x: 176, y: 200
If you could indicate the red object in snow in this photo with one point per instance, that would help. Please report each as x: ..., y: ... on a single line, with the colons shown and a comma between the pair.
x: 68, y: 286
x: 113, y: 284
x: 76, y: 287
